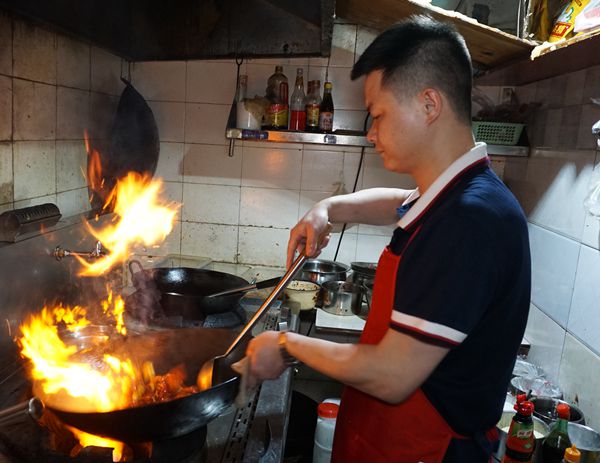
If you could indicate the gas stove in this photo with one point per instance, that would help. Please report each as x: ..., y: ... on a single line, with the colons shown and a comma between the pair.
x: 255, y: 432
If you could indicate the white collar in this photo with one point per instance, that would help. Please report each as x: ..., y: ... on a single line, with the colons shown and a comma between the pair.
x: 474, y: 155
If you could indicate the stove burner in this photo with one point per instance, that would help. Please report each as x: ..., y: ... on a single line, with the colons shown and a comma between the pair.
x: 28, y: 442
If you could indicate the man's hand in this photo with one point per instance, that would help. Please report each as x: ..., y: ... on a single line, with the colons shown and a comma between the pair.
x: 307, y: 232
x: 265, y: 358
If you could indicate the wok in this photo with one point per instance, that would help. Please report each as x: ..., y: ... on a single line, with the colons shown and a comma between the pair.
x: 184, y: 291
x: 177, y: 417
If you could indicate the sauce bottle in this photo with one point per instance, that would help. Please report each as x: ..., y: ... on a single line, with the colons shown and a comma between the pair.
x: 520, y: 442
x: 277, y: 94
x: 557, y: 440
x: 313, y: 102
x: 326, y: 110
x: 297, y: 103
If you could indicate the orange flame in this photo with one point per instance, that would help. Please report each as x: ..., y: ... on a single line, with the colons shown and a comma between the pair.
x: 87, y: 440
x: 141, y: 216
x: 96, y: 382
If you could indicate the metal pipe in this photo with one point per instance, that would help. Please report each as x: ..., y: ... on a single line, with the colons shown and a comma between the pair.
x: 96, y: 253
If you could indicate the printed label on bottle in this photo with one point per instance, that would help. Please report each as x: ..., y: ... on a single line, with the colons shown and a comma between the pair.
x: 326, y: 120
x: 312, y: 115
x: 278, y: 114
x: 519, y: 443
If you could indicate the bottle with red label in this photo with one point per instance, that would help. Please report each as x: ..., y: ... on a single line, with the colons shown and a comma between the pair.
x: 298, y: 112
x: 277, y: 94
x: 520, y: 442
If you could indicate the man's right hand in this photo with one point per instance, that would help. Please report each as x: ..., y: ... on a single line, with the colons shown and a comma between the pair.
x: 307, y: 232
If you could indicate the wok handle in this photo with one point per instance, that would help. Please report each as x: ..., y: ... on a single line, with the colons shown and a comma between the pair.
x: 268, y: 283
x: 285, y: 279
x: 31, y: 409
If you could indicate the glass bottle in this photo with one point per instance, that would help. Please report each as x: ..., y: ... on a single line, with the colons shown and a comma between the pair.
x: 326, y: 110
x: 520, y: 442
x: 277, y: 94
x: 557, y: 441
x: 313, y: 102
x: 298, y: 113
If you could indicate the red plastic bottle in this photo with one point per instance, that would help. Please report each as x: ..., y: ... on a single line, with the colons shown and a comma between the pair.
x: 520, y: 442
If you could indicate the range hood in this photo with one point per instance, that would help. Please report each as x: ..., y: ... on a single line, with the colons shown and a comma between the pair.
x: 141, y: 30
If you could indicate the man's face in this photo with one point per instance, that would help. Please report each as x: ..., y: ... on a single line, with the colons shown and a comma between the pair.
x: 397, y: 126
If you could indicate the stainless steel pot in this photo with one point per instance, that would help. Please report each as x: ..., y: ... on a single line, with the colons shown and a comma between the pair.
x: 363, y: 273
x: 545, y: 409
x: 319, y: 271
x: 342, y: 298
x: 587, y: 441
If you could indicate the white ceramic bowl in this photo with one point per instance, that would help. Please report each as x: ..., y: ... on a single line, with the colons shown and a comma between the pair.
x: 303, y: 292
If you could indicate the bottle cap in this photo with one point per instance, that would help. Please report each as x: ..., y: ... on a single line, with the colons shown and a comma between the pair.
x: 328, y: 85
x: 328, y: 410
x: 563, y: 411
x: 524, y: 408
x: 572, y: 455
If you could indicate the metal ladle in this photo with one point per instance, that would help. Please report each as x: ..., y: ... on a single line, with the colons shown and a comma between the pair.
x: 205, y: 376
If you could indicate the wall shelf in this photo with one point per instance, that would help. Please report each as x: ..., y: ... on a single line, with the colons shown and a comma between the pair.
x: 338, y: 138
x: 513, y: 151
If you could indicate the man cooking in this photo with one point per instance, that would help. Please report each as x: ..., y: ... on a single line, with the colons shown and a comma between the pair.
x: 427, y: 381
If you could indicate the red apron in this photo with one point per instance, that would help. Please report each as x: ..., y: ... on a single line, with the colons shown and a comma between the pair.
x: 371, y: 431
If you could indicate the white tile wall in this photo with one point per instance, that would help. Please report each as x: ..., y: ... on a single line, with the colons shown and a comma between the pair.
x: 6, y: 173
x: 73, y: 202
x: 160, y: 81
x: 579, y: 378
x: 584, y: 321
x: 34, y: 169
x: 211, y: 82
x: 272, y: 168
x: 217, y: 241
x: 211, y: 164
x: 6, y: 98
x: 369, y: 247
x: 263, y: 246
x: 211, y: 203
x: 170, y: 120
x: 554, y: 261
x: 170, y: 162
x: 322, y: 170
x: 72, y: 113
x: 105, y: 72
x: 71, y: 165
x: 547, y: 340
x: 269, y: 207
x: 6, y: 60
x: 34, y: 110
x: 73, y: 63
x: 34, y: 53
x: 205, y: 123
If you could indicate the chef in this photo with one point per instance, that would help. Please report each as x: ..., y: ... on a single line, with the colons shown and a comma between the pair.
x: 427, y: 381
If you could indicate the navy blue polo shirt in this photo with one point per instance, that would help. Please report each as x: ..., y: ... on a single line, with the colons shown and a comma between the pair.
x: 464, y: 282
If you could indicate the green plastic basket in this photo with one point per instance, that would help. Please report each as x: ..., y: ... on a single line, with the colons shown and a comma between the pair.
x: 497, y: 133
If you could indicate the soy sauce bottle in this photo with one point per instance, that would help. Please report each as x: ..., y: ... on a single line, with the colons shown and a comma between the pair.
x: 520, y: 442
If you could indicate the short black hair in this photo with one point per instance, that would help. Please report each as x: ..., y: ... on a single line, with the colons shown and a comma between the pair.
x: 420, y: 52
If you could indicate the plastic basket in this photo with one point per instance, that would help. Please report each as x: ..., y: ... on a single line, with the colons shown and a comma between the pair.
x: 497, y: 133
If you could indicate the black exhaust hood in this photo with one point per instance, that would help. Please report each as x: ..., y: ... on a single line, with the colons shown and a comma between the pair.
x: 142, y: 30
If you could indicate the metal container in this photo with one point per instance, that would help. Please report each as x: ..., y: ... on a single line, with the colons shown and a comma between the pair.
x: 545, y: 410
x: 342, y: 298
x: 587, y: 442
x: 540, y: 430
x: 539, y: 387
x: 363, y: 273
x: 319, y: 271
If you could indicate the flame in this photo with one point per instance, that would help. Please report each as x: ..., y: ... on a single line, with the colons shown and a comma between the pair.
x: 87, y: 440
x: 141, y: 216
x: 96, y: 382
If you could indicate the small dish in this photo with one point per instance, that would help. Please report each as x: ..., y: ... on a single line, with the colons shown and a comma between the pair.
x: 304, y: 293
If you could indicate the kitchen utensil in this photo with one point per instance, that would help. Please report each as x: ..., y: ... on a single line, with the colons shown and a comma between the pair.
x: 342, y: 298
x: 305, y: 293
x: 319, y: 271
x: 539, y: 387
x: 162, y: 420
x: 363, y: 272
x: 205, y: 377
x: 260, y: 285
x: 540, y: 430
x: 587, y: 441
x: 545, y: 410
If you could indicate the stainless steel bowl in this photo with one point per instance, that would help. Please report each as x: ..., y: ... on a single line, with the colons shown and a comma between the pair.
x: 319, y: 271
x: 587, y: 442
x: 545, y: 409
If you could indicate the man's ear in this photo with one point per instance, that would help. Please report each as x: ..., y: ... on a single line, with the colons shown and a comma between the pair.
x: 432, y: 104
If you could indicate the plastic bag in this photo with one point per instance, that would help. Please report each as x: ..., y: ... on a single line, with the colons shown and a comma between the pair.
x: 589, y: 18
x: 540, y: 18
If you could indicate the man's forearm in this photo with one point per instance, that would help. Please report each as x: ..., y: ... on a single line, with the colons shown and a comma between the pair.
x: 375, y: 206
